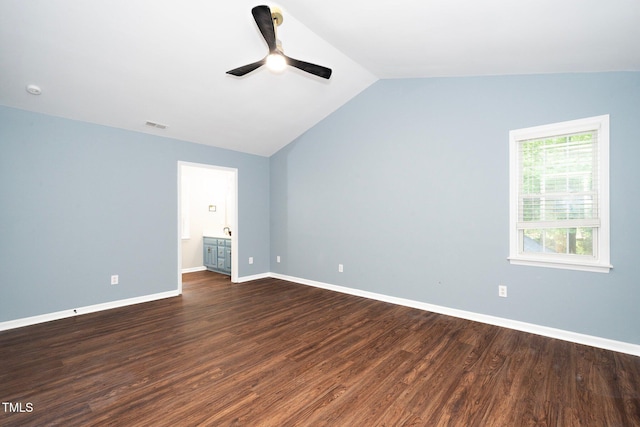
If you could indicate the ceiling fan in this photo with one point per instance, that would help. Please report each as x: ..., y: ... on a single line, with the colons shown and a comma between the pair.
x: 276, y: 60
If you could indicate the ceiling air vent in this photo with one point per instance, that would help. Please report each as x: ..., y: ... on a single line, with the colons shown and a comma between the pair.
x: 156, y: 125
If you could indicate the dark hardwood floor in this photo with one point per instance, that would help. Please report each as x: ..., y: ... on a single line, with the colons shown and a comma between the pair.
x: 274, y: 353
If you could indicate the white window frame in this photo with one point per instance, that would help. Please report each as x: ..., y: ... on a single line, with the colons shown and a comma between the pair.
x: 600, y: 262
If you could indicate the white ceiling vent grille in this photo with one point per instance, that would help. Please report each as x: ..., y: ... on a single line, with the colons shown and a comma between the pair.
x: 155, y: 125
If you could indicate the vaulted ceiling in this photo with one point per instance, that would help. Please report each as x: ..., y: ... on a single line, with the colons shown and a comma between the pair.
x: 123, y: 63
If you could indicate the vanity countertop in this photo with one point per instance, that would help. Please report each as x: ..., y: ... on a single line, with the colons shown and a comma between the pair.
x: 219, y: 235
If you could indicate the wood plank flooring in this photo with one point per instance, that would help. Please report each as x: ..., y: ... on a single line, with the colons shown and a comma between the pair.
x: 274, y: 353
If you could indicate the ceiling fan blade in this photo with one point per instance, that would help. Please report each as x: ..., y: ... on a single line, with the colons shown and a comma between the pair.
x: 246, y: 69
x: 317, y: 70
x: 262, y: 15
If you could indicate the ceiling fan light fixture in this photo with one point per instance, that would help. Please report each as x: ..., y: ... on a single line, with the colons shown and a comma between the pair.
x: 276, y: 62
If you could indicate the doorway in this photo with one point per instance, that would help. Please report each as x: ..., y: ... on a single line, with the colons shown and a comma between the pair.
x: 207, y: 206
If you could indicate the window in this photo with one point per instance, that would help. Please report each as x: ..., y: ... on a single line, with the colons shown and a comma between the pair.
x: 559, y: 195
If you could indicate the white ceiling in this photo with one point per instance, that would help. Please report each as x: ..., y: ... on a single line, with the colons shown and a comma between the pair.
x: 121, y: 63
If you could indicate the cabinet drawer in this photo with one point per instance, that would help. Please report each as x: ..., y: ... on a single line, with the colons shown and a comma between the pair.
x: 227, y: 243
x: 221, y: 251
x: 221, y: 242
x: 210, y: 241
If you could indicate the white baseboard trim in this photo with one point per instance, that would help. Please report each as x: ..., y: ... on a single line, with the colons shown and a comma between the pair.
x: 254, y: 277
x: 28, y: 321
x: 593, y: 341
x: 605, y: 343
x: 193, y: 269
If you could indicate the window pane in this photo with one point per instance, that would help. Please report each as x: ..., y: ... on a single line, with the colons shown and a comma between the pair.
x: 532, y: 241
x: 584, y: 241
x: 557, y: 178
x: 555, y: 240
x: 575, y: 241
x: 531, y: 209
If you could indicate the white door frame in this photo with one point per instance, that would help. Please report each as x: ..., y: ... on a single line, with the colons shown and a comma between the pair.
x: 234, y: 218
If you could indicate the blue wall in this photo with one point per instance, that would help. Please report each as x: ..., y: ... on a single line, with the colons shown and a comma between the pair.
x: 80, y: 202
x: 407, y: 186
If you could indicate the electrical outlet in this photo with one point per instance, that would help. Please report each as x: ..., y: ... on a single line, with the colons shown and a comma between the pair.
x: 278, y: 258
x: 340, y: 268
x: 502, y: 291
x: 114, y: 279
x: 250, y: 260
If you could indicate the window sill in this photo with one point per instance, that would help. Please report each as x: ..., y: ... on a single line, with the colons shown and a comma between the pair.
x: 562, y: 264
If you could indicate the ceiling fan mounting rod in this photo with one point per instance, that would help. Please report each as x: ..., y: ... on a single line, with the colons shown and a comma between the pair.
x: 276, y: 15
